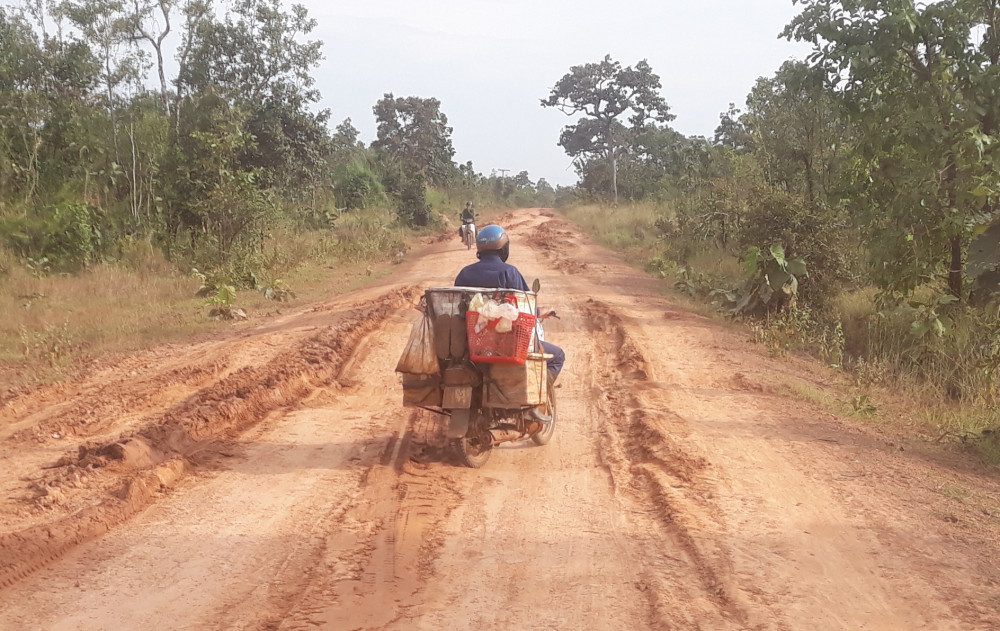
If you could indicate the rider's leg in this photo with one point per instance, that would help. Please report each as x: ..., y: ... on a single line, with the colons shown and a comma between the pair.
x: 559, y: 358
x: 555, y: 365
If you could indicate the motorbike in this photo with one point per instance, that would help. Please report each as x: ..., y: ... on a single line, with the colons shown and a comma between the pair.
x: 468, y: 234
x: 492, y: 386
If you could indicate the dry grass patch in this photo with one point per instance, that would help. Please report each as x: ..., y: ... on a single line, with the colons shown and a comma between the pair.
x: 49, y: 323
x: 630, y: 229
x: 52, y: 326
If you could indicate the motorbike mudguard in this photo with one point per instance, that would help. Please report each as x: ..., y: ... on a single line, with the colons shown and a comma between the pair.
x: 459, y: 423
x: 457, y: 397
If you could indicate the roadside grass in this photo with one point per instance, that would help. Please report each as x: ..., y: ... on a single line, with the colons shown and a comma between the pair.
x: 52, y: 326
x: 936, y: 388
x: 49, y: 323
x: 806, y: 391
x: 629, y: 229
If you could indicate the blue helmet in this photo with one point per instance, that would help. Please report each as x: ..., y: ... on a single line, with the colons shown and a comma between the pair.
x: 491, y: 238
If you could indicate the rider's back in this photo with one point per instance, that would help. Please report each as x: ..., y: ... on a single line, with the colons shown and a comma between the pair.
x: 492, y: 273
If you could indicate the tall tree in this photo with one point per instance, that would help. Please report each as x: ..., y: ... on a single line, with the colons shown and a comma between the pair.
x: 605, y: 93
x: 795, y: 128
x: 345, y: 138
x: 523, y: 180
x: 195, y: 12
x: 414, y: 132
x: 104, y: 24
x: 45, y: 87
x: 253, y: 54
x: 256, y: 57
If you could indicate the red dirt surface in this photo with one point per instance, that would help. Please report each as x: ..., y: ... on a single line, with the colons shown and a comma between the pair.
x: 271, y: 479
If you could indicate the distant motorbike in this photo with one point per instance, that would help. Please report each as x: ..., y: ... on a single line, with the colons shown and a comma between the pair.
x: 492, y: 381
x: 468, y: 232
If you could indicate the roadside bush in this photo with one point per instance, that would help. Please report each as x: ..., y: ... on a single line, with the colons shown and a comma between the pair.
x: 412, y: 207
x: 68, y: 236
x: 812, y: 233
x: 356, y: 186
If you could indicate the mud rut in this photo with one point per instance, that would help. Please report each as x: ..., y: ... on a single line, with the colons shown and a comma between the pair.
x: 679, y: 492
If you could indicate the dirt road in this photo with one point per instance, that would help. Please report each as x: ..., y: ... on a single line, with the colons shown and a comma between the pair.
x: 270, y: 479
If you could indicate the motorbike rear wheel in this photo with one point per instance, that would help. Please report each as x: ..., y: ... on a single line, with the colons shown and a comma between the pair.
x: 474, y: 449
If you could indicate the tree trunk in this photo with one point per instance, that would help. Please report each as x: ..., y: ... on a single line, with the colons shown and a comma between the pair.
x: 810, y: 187
x: 956, y: 265
x: 955, y: 269
x: 613, y: 155
x: 614, y: 175
x: 163, y: 77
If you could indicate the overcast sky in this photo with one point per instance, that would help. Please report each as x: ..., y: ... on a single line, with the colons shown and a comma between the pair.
x: 489, y: 62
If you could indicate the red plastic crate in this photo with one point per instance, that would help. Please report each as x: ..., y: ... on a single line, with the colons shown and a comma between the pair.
x: 499, y: 348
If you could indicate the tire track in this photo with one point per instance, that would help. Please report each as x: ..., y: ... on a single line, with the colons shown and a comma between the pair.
x: 375, y: 566
x: 649, y: 465
x: 644, y: 453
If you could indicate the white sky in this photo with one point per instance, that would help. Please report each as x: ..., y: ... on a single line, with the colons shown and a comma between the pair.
x: 490, y: 61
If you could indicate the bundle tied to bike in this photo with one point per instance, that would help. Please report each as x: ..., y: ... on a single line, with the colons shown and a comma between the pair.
x: 475, y: 358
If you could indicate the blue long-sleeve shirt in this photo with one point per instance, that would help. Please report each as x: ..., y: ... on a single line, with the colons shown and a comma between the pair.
x: 492, y: 273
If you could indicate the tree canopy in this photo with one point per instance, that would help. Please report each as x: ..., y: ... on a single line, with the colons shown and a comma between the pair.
x: 920, y: 83
x: 607, y: 95
x: 415, y: 132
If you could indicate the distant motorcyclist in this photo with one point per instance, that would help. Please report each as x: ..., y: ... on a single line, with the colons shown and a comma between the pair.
x: 468, y: 214
x: 493, y: 272
x: 468, y: 217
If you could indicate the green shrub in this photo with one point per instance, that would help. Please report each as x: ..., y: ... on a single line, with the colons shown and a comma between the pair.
x: 67, y: 236
x: 412, y: 207
x: 809, y: 232
x: 356, y: 186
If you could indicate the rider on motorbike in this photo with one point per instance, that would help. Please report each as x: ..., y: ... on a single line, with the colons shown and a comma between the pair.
x: 468, y: 215
x: 493, y: 272
x: 468, y: 219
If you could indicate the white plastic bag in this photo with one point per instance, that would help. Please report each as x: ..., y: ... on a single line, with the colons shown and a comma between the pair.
x: 419, y: 357
x: 477, y: 303
x: 504, y: 313
x: 493, y: 310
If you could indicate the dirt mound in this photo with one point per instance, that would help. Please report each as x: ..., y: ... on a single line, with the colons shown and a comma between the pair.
x: 553, y: 239
x: 123, y: 476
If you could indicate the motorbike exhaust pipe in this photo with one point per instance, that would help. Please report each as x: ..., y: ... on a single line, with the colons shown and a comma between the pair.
x: 501, y: 435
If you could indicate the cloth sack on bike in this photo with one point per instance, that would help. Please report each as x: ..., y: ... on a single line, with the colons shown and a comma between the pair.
x: 418, y: 357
